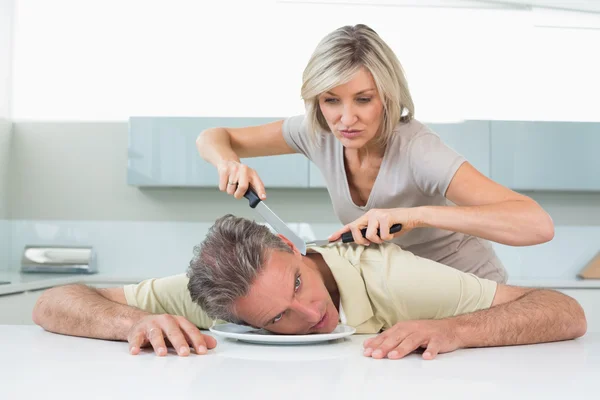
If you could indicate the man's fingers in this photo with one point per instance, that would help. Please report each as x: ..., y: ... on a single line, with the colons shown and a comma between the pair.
x: 432, y: 350
x: 393, y: 341
x: 173, y: 332
x: 195, y: 338
x: 136, y: 342
x: 155, y: 336
x: 373, y: 343
x: 407, y: 346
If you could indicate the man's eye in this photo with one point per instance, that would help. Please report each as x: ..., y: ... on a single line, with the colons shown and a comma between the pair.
x: 298, y: 283
x: 277, y: 318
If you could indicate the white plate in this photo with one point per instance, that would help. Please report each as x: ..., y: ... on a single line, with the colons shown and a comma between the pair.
x: 253, y: 335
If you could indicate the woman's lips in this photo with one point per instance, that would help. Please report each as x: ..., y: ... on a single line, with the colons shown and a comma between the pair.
x: 350, y: 134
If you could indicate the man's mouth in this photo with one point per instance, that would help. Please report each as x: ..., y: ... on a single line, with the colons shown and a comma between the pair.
x: 322, y: 322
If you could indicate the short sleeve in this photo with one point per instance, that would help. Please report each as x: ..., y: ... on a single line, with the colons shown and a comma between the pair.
x: 424, y: 289
x: 168, y: 295
x: 295, y: 134
x: 432, y: 163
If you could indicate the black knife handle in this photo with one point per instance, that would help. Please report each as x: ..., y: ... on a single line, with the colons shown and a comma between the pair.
x: 252, y: 197
x: 348, y: 238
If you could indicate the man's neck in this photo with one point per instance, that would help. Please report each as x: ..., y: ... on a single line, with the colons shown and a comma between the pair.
x: 316, y: 261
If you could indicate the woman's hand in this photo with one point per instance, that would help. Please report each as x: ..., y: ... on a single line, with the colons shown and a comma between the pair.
x: 235, y: 177
x: 382, y: 219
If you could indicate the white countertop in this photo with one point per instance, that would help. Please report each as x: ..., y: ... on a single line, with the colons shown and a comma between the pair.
x: 37, y: 363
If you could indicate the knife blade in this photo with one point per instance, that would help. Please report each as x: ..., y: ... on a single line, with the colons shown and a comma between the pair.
x: 348, y: 238
x: 273, y: 220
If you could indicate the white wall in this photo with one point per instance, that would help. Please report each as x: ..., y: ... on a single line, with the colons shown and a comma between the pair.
x: 99, y: 62
x: 109, y: 59
x: 6, y: 18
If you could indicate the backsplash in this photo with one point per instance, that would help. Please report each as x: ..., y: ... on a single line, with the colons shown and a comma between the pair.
x: 153, y: 249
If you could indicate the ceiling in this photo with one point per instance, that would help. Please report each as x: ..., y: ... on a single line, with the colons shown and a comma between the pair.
x: 592, y: 6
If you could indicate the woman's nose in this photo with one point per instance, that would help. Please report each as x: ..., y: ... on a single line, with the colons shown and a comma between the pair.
x: 348, y: 116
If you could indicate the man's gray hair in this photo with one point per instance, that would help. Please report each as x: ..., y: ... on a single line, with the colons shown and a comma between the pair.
x: 226, y: 263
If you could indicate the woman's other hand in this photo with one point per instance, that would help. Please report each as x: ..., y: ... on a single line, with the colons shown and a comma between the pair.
x: 382, y: 219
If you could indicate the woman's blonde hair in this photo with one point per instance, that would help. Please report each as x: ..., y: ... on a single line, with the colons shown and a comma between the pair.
x: 336, y: 60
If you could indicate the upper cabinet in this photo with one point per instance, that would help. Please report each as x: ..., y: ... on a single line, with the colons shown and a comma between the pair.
x: 546, y: 155
x: 520, y: 155
x: 469, y: 138
x: 162, y: 152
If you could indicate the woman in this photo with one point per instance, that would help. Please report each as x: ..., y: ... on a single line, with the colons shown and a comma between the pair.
x: 381, y: 165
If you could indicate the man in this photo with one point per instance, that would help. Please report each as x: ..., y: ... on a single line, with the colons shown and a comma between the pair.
x: 245, y: 274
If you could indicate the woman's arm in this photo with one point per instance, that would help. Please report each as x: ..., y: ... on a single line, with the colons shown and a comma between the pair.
x: 488, y: 210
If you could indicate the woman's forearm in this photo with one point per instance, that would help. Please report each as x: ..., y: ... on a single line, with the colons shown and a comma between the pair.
x: 515, y: 222
x: 214, y: 146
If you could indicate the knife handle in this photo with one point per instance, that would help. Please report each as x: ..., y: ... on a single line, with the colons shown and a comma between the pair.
x: 252, y: 197
x: 348, y: 238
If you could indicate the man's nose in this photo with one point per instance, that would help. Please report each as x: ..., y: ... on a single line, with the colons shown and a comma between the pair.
x: 310, y: 312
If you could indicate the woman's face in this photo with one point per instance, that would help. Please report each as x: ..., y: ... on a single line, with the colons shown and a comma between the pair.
x: 354, y: 110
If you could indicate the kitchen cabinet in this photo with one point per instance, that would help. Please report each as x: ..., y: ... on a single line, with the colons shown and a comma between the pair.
x: 316, y: 179
x: 469, y: 138
x: 162, y: 152
x: 546, y: 155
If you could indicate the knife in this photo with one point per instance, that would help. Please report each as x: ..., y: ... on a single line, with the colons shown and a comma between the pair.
x: 274, y: 220
x: 280, y: 226
x: 348, y: 238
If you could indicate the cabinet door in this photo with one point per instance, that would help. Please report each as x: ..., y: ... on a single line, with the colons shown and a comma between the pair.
x: 316, y: 179
x: 162, y: 152
x: 546, y: 155
x: 469, y: 138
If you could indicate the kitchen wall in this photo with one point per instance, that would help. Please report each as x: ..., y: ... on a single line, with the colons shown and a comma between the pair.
x: 69, y: 148
x: 6, y: 17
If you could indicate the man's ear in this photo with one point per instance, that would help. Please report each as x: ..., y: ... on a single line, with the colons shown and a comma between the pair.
x: 289, y: 243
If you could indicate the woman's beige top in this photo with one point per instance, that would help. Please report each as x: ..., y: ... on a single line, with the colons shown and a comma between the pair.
x: 416, y: 169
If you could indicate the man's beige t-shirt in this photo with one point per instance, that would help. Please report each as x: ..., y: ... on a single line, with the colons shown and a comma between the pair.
x: 379, y: 286
x: 416, y: 170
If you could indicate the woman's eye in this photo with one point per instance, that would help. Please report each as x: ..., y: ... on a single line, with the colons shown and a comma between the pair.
x: 298, y: 282
x: 364, y: 99
x: 330, y: 100
x: 277, y: 318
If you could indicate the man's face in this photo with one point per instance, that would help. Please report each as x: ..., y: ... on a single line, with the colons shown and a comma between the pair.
x: 288, y: 297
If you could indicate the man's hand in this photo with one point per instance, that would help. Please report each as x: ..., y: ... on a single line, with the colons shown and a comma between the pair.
x: 436, y: 336
x: 180, y: 332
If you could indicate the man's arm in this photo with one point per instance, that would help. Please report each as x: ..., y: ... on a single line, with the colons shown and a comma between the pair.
x: 521, y: 316
x: 79, y: 310
x: 517, y: 316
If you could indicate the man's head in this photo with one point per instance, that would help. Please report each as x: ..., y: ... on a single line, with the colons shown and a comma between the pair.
x: 243, y: 273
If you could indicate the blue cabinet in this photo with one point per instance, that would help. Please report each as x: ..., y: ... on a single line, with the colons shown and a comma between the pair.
x: 162, y: 152
x: 469, y: 138
x: 546, y: 155
x: 315, y: 177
